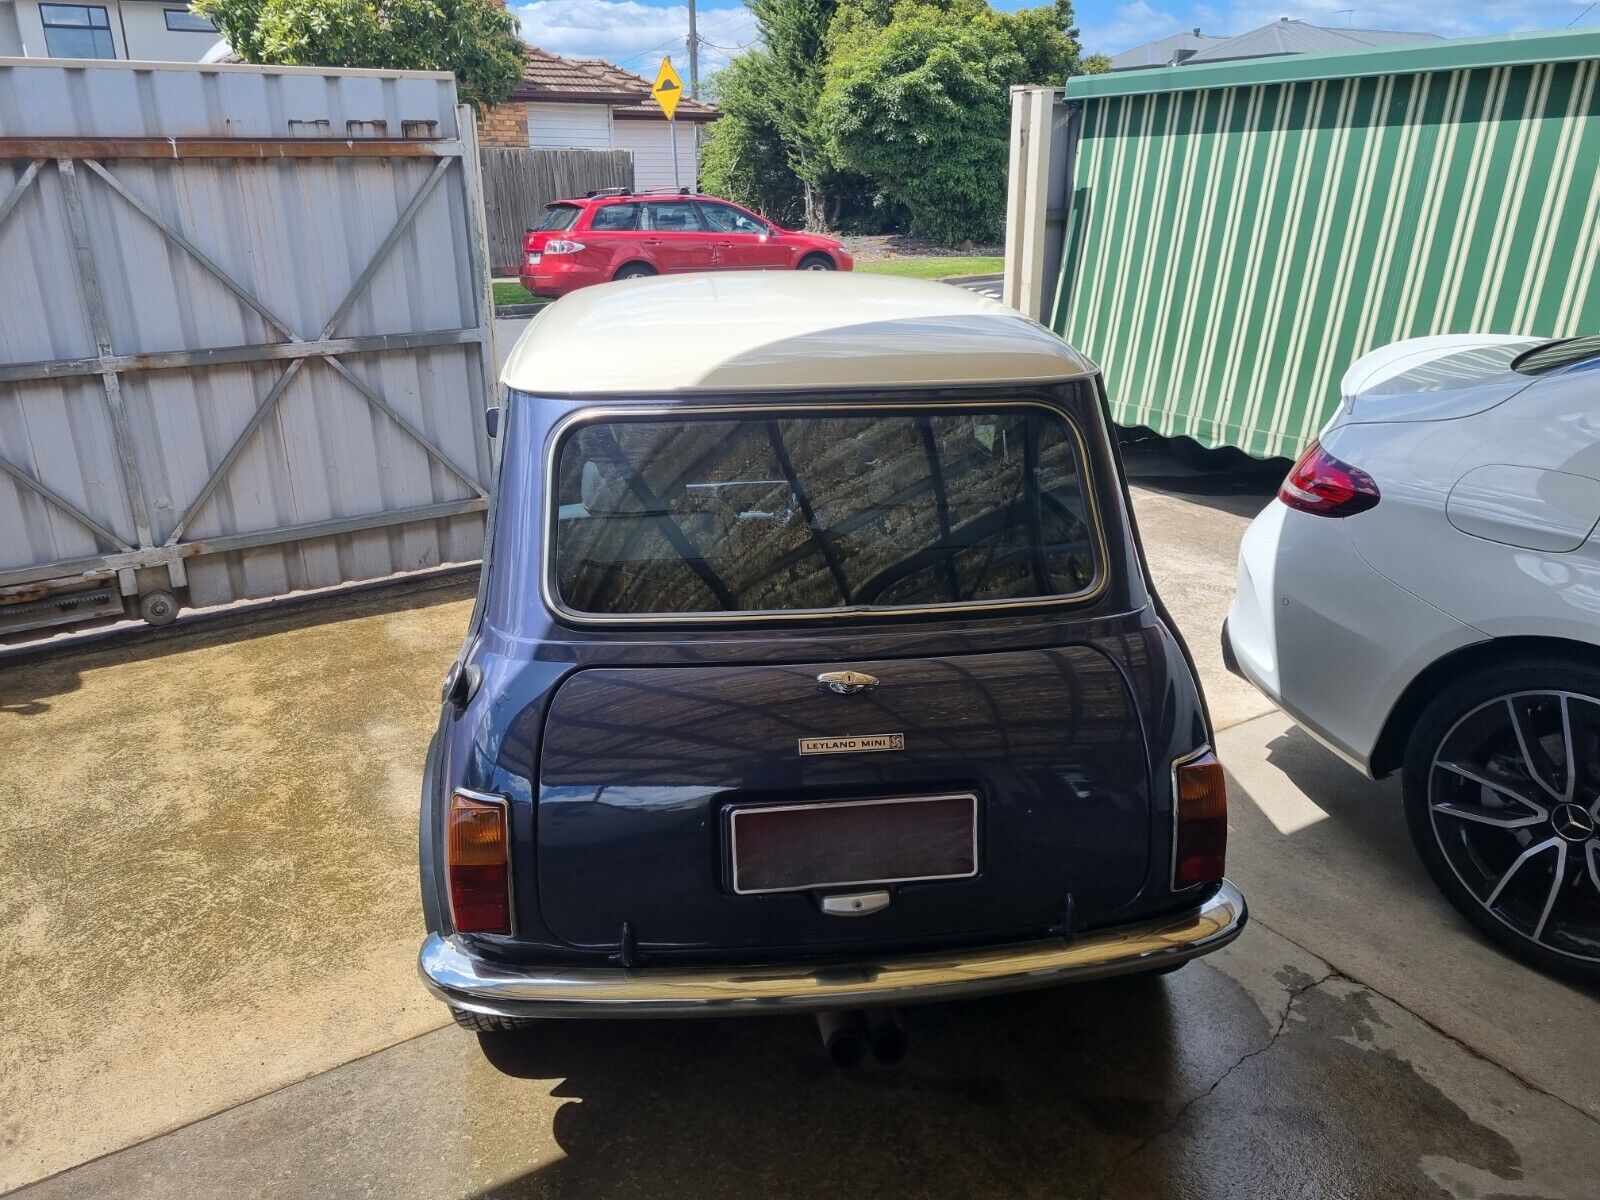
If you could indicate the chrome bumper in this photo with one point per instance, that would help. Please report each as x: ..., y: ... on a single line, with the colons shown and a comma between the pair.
x: 463, y: 980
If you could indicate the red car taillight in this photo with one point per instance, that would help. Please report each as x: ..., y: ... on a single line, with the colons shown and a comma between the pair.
x: 563, y: 246
x: 1200, y: 823
x: 479, y: 862
x: 1323, y: 485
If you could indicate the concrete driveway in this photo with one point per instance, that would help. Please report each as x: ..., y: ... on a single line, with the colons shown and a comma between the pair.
x: 208, y: 928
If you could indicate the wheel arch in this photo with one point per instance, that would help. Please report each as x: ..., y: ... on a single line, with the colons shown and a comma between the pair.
x: 810, y: 254
x: 634, y: 261
x: 1389, y: 751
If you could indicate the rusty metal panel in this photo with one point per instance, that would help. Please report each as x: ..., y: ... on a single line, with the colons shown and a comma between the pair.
x: 238, y: 374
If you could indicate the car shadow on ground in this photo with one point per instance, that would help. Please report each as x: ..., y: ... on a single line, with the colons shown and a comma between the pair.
x: 1073, y: 1078
x: 1133, y: 1089
x: 1228, y: 480
x: 1369, y: 810
x: 33, y: 672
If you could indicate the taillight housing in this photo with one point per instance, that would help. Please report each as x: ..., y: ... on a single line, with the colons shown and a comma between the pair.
x: 562, y: 246
x: 478, y: 860
x: 1325, y: 486
x: 1199, y: 820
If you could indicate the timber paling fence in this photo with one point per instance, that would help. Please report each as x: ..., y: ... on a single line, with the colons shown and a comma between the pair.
x: 517, y: 184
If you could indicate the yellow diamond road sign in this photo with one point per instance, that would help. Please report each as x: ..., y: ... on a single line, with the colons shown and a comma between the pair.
x: 667, y: 88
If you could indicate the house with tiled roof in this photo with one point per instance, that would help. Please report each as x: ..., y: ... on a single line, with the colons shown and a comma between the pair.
x: 587, y: 103
x: 1283, y: 36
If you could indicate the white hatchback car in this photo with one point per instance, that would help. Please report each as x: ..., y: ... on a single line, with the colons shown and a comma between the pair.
x: 1424, y: 596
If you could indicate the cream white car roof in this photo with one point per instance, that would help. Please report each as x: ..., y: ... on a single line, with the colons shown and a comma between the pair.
x: 768, y: 331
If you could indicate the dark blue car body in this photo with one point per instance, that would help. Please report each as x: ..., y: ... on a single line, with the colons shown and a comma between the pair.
x: 621, y: 746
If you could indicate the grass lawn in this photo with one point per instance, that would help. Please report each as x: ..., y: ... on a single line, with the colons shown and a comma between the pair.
x: 515, y: 293
x: 934, y: 268
x: 916, y: 268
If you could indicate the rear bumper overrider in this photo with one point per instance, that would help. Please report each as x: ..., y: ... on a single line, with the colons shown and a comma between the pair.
x: 470, y: 982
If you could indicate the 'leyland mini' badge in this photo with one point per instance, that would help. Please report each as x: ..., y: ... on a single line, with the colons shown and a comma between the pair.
x: 858, y: 744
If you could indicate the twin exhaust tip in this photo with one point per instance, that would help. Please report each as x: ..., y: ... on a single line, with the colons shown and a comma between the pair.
x: 848, y: 1037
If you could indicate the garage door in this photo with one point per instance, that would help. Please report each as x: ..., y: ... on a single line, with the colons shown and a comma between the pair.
x: 651, y: 143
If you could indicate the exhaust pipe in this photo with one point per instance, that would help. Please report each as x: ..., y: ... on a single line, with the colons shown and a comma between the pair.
x: 844, y: 1037
x: 887, y: 1036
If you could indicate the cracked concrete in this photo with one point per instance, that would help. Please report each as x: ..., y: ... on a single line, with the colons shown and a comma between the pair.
x: 1359, y: 1040
x: 1299, y: 989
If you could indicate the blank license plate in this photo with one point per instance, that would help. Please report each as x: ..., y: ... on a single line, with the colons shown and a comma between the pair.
x: 791, y: 847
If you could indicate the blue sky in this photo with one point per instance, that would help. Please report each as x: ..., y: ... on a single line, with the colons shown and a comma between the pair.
x: 636, y: 33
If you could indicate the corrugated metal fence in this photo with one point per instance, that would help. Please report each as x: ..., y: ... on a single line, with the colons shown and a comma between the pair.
x: 245, y: 346
x: 517, y: 184
x: 1236, y: 235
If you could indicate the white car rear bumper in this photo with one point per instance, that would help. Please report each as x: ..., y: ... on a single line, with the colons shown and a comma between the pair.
x: 1324, y: 636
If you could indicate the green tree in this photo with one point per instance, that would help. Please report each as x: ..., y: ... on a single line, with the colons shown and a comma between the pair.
x: 475, y: 39
x: 1096, y: 64
x: 769, y: 98
x: 746, y: 158
x: 917, y: 100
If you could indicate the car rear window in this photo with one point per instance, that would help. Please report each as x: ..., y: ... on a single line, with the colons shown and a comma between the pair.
x: 811, y: 513
x: 557, y: 217
x: 1556, y: 356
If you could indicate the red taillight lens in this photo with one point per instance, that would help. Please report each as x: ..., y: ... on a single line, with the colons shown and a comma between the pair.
x: 1323, y: 485
x: 563, y: 246
x: 1200, y: 827
x: 479, y: 861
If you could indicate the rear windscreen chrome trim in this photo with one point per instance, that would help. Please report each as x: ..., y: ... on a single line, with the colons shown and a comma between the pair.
x: 733, y: 812
x: 588, y: 416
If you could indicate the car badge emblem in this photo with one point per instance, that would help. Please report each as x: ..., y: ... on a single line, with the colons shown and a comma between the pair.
x: 1572, y: 822
x: 861, y: 743
x: 846, y: 683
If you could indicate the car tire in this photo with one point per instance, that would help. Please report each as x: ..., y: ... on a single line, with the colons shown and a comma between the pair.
x: 1504, y: 835
x: 635, y: 271
x: 484, y: 1023
x: 817, y: 262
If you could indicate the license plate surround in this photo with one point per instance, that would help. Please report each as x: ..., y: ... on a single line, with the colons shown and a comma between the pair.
x: 896, y: 806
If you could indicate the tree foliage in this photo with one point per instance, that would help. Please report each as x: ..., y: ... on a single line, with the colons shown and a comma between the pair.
x: 882, y: 110
x: 747, y: 157
x: 475, y: 39
x: 769, y: 149
x: 919, y: 105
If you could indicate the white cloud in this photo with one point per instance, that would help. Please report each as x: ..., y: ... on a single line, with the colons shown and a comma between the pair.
x: 634, y: 35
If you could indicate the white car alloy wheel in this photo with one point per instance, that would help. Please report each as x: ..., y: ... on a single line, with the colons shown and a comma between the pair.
x: 1512, y: 795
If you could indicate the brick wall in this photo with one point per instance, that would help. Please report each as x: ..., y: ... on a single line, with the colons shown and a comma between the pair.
x: 505, y: 125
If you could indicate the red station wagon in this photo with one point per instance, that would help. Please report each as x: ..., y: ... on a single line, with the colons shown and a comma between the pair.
x: 628, y: 235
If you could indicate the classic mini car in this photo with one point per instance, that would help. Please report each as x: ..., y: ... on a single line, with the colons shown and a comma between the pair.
x: 815, y: 667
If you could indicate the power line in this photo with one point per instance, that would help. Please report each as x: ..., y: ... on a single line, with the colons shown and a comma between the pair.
x: 1581, y: 15
x: 647, y: 53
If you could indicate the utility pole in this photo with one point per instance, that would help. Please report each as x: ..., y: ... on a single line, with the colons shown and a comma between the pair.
x: 694, y: 56
x: 694, y: 92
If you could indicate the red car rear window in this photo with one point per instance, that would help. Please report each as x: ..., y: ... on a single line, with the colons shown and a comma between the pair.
x: 557, y: 217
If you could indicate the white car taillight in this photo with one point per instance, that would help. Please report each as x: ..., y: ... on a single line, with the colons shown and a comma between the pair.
x: 1325, y: 486
x: 562, y: 246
